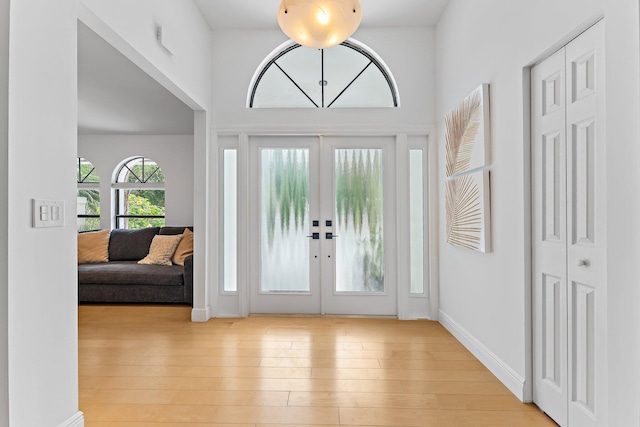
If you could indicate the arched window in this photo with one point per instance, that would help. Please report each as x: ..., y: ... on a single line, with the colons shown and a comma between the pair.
x: 349, y: 75
x: 139, y: 188
x: 88, y: 207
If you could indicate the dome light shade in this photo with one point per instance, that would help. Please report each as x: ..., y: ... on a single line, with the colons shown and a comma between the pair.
x: 319, y: 24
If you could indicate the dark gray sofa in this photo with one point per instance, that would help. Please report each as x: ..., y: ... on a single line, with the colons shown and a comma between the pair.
x: 123, y: 280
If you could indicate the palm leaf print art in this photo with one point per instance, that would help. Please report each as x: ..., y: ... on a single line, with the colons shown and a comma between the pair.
x: 463, y: 212
x: 462, y: 126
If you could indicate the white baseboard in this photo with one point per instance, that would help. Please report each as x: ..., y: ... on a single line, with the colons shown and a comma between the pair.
x: 514, y: 382
x: 201, y: 314
x: 77, y: 420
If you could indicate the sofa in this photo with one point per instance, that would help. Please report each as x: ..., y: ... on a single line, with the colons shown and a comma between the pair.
x: 116, y: 276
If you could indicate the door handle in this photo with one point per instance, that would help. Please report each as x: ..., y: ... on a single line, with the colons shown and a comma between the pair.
x: 315, y: 236
x: 330, y: 236
x: 583, y: 263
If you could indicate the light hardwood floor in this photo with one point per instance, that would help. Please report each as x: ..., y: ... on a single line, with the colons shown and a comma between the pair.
x: 150, y: 366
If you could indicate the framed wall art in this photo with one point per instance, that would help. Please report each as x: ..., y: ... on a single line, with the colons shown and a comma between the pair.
x: 467, y: 186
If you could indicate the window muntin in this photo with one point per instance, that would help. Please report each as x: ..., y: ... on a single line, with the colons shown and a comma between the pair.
x: 140, y: 195
x: 349, y: 75
x: 301, y: 67
x: 88, y: 198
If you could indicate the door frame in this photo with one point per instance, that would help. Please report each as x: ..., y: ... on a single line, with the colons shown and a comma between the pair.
x: 409, y: 306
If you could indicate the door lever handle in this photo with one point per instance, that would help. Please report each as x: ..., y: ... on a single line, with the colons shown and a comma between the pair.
x: 315, y: 236
x: 330, y: 236
x: 583, y: 263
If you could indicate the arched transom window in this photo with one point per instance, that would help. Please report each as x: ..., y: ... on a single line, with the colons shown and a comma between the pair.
x: 349, y: 75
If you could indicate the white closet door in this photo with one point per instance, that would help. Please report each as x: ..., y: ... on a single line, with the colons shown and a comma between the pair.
x: 586, y: 221
x: 569, y: 236
x: 550, y: 237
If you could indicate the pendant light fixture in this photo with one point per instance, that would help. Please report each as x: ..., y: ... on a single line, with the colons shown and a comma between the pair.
x: 319, y: 24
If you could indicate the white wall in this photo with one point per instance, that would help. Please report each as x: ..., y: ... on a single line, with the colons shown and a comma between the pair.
x: 408, y: 52
x: 623, y: 176
x: 188, y: 66
x: 173, y: 153
x: 493, y: 41
x: 4, y: 207
x: 42, y: 321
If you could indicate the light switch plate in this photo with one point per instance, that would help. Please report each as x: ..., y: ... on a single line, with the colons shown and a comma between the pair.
x: 47, y: 213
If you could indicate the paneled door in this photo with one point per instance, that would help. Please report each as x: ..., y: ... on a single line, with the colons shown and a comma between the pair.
x: 569, y: 237
x: 322, y: 221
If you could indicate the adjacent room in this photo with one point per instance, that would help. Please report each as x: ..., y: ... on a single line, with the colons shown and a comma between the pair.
x: 410, y: 213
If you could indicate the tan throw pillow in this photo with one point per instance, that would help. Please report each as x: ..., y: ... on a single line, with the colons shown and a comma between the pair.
x: 93, y: 247
x: 185, y: 248
x: 161, y: 250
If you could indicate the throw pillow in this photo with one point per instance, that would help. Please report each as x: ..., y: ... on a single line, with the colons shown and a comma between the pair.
x: 93, y: 247
x: 161, y: 250
x: 185, y: 248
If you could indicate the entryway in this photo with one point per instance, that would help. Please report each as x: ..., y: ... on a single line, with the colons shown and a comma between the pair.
x: 322, y: 217
x: 569, y: 235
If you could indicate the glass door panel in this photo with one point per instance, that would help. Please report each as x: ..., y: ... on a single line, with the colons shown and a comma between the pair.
x: 359, y: 220
x: 284, y: 213
x: 358, y: 201
x: 284, y: 264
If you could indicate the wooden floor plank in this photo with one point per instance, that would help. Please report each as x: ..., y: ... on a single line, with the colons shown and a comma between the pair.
x: 145, y: 366
x: 163, y: 424
x: 432, y: 418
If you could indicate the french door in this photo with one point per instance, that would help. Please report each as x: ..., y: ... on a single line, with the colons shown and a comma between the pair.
x: 322, y: 225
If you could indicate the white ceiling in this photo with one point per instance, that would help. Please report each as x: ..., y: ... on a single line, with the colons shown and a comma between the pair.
x: 375, y: 13
x: 117, y: 97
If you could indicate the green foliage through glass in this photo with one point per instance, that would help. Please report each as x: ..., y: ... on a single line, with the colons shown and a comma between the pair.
x: 359, y: 215
x: 289, y: 194
x: 88, y: 199
x: 141, y: 201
